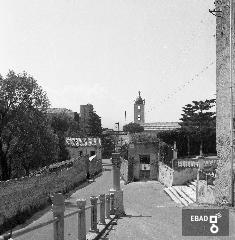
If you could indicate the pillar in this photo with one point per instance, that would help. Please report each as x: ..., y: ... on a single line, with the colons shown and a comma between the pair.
x: 81, y: 203
x: 107, y: 206
x: 116, y: 190
x: 58, y: 209
x: 93, y: 200
x: 102, y: 209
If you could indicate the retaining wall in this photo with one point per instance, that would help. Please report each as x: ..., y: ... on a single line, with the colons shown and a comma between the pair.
x: 170, y: 177
x: 23, y: 195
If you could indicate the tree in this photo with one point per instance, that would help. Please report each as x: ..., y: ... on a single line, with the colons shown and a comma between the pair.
x: 198, y: 121
x: 108, y: 145
x: 23, y: 106
x: 133, y: 128
x: 60, y: 123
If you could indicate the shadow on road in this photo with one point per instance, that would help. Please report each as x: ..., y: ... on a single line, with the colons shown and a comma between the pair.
x: 137, y: 216
x: 109, y: 229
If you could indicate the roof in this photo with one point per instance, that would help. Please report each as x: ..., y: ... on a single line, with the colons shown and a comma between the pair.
x: 161, y: 126
x: 82, y: 142
x: 139, y: 100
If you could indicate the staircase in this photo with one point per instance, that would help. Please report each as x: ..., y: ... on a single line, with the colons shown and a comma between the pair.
x: 183, y: 195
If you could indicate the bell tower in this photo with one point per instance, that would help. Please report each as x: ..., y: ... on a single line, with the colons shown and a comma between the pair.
x: 139, y: 110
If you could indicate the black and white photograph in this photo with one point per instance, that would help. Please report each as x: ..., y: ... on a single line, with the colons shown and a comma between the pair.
x: 117, y: 119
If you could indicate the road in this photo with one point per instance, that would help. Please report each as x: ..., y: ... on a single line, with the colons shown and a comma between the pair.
x: 152, y: 215
x: 101, y: 184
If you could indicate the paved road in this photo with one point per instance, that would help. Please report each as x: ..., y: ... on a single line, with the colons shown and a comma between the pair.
x: 152, y: 215
x: 102, y: 184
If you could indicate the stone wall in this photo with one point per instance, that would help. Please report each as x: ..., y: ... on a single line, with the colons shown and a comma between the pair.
x: 18, y: 196
x: 124, y: 170
x: 205, y: 193
x: 170, y: 177
x: 181, y: 176
x: 223, y: 102
x: 165, y: 174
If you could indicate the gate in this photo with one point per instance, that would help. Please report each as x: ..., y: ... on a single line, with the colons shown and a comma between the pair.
x: 144, y: 167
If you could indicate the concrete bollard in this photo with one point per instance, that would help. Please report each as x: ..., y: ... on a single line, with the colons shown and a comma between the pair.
x: 102, y: 209
x: 112, y: 210
x: 81, y: 203
x: 58, y: 209
x: 107, y: 206
x: 93, y: 200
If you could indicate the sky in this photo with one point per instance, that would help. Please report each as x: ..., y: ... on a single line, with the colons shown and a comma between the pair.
x: 104, y: 51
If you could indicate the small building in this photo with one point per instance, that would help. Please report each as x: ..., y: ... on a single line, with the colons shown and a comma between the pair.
x: 160, y: 126
x: 84, y: 146
x: 144, y: 158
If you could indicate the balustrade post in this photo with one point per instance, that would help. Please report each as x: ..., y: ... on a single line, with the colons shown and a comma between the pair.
x: 107, y: 206
x: 81, y: 203
x: 58, y: 209
x: 118, y: 193
x: 93, y: 200
x: 112, y: 211
x: 102, y: 209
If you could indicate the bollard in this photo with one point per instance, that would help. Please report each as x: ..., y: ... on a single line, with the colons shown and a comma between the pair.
x: 112, y: 211
x: 58, y: 212
x: 93, y: 200
x: 81, y: 203
x: 107, y: 206
x: 102, y: 209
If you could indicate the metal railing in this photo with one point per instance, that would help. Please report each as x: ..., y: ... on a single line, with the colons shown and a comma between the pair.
x: 106, y: 208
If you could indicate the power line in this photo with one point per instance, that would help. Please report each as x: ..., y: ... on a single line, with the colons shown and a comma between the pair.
x: 180, y: 88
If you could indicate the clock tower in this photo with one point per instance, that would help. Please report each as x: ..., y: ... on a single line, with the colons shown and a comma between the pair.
x: 139, y: 110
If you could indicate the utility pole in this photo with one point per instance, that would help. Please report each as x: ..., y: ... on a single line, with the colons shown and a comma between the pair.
x: 232, y: 20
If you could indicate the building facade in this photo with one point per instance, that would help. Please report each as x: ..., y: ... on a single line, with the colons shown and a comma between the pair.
x: 144, y: 160
x: 223, y: 182
x: 84, y: 146
x: 139, y: 110
x: 85, y: 116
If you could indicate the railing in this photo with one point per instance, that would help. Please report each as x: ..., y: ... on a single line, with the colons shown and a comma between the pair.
x: 106, y: 209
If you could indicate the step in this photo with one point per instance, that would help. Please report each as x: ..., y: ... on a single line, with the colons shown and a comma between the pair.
x: 189, y: 192
x: 188, y: 199
x: 194, y: 183
x: 192, y: 187
x: 183, y: 201
x: 172, y: 196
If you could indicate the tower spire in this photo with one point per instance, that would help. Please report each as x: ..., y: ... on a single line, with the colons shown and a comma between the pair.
x: 139, y: 93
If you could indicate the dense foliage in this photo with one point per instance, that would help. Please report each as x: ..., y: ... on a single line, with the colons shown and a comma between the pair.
x: 198, y: 127
x: 133, y: 128
x: 26, y: 140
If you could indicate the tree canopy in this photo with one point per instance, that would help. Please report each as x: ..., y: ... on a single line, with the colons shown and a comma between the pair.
x: 133, y: 128
x: 23, y: 125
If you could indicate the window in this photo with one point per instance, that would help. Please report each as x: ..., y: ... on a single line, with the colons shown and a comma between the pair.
x: 80, y: 153
x: 139, y: 107
x: 138, y: 117
x: 92, y: 153
x: 144, y: 159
